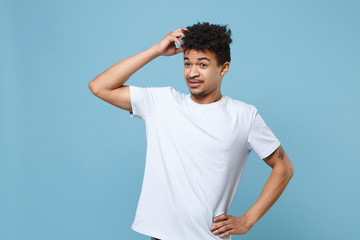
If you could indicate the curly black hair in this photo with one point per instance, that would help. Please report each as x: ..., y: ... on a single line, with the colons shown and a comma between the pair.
x: 213, y: 37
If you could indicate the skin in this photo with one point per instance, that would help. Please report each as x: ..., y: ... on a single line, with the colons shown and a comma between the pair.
x: 201, y: 66
x: 198, y: 65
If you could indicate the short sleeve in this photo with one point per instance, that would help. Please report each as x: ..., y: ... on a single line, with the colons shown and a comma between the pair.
x: 144, y: 100
x: 261, y: 139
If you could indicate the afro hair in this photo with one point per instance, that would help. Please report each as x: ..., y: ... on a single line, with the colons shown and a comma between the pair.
x: 212, y: 37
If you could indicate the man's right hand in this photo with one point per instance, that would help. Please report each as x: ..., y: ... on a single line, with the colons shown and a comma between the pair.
x: 167, y: 45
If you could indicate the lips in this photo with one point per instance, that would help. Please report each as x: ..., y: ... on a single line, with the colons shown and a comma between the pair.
x: 194, y: 84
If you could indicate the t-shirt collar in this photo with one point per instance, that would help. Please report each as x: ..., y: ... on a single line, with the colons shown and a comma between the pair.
x: 206, y: 105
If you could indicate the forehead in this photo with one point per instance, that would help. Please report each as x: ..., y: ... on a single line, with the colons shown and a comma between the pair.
x: 194, y: 55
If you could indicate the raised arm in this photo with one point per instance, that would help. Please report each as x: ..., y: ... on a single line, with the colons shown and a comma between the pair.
x: 109, y: 85
x: 282, y: 172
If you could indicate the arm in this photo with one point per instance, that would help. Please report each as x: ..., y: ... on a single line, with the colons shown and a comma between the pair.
x: 109, y: 85
x: 282, y: 172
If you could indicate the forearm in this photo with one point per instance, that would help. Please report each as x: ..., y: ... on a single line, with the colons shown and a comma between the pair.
x: 273, y: 188
x: 119, y: 73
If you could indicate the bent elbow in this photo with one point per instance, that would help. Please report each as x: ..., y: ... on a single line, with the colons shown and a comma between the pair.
x: 93, y: 88
x: 290, y: 171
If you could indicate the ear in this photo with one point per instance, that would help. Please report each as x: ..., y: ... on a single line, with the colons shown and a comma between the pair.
x: 224, y: 68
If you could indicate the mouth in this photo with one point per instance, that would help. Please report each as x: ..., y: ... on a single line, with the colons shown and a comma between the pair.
x: 194, y: 84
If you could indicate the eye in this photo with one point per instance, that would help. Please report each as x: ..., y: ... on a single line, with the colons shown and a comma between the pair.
x: 203, y: 65
x: 187, y: 64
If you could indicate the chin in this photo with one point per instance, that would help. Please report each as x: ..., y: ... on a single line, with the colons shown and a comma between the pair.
x: 197, y: 93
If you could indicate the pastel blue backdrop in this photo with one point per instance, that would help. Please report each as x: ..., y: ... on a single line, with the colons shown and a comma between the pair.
x: 71, y: 165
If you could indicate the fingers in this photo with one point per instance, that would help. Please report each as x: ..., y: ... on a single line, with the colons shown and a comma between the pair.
x: 178, y: 33
x: 223, y: 228
x: 217, y: 226
x: 180, y: 30
x: 230, y: 225
x: 221, y: 217
x: 167, y: 45
x: 221, y: 224
x: 179, y: 50
x: 227, y: 233
x: 175, y: 39
x: 174, y: 36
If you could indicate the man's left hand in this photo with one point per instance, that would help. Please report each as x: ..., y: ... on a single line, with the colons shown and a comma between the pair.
x: 229, y: 224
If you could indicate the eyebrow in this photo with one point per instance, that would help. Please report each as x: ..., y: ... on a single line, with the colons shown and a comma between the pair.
x: 202, y: 58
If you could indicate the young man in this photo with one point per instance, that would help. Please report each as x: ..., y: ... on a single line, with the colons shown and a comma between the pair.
x: 198, y: 143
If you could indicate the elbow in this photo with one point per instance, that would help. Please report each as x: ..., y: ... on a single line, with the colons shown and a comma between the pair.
x: 289, y: 170
x: 93, y: 88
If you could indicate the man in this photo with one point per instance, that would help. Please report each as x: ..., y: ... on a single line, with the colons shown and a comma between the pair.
x: 197, y: 144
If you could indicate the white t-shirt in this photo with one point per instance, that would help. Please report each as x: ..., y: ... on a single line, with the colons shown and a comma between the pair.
x: 196, y: 154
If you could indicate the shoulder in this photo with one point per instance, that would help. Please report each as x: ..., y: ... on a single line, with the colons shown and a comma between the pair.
x: 150, y: 91
x: 174, y: 94
x: 165, y: 94
x: 242, y: 107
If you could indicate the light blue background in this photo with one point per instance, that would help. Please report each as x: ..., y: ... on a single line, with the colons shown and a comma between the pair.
x: 72, y: 165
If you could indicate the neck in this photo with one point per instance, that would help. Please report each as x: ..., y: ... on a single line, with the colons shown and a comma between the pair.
x: 206, y: 99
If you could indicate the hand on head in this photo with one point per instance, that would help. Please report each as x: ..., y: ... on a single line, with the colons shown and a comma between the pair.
x: 167, y: 45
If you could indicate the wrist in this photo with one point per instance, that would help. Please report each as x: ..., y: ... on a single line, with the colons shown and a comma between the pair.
x: 249, y: 220
x: 155, y: 51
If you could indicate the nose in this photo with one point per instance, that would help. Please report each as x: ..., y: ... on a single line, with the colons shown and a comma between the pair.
x: 194, y: 72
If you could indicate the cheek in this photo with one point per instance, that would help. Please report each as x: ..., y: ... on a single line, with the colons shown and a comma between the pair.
x: 212, y: 76
x: 206, y: 76
x: 186, y: 72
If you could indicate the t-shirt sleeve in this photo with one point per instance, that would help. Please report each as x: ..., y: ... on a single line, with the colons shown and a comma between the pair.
x: 261, y: 139
x: 144, y: 100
